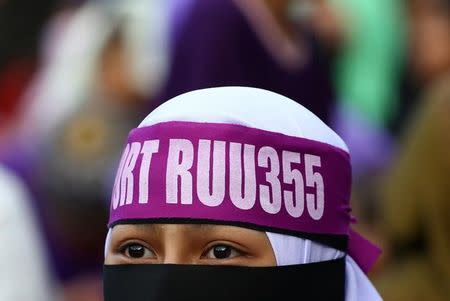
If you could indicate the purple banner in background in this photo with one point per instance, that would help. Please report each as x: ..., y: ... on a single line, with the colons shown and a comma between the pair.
x: 233, y: 173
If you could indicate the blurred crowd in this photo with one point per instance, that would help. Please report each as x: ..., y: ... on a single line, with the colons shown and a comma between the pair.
x: 76, y: 76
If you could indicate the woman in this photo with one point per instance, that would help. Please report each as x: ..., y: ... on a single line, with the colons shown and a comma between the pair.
x: 416, y: 184
x: 234, y: 192
x: 246, y: 43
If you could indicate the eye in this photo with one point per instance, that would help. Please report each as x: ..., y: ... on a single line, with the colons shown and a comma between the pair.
x: 136, y: 251
x: 222, y: 252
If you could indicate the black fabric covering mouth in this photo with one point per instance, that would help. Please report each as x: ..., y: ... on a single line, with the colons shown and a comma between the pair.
x: 154, y: 282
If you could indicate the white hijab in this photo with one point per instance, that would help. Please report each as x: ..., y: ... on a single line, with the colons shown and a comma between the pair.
x: 291, y: 250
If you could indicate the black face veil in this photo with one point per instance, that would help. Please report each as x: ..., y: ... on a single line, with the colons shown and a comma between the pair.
x: 169, y: 282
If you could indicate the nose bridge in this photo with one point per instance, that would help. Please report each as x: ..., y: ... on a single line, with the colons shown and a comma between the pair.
x: 176, y: 248
x: 173, y: 258
x: 173, y: 253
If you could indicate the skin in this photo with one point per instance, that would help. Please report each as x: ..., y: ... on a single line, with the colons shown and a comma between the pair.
x: 188, y: 244
x: 113, y: 77
x: 278, y: 8
x: 429, y: 39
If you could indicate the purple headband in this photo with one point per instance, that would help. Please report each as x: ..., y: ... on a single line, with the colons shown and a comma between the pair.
x: 232, y: 173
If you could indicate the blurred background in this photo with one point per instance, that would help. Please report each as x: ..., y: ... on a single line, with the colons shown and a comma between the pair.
x: 76, y: 76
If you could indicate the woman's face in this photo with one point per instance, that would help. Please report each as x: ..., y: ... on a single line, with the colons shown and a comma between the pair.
x: 429, y: 38
x: 188, y: 244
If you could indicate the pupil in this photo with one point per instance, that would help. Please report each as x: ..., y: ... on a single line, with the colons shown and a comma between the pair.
x: 136, y: 251
x: 222, y: 252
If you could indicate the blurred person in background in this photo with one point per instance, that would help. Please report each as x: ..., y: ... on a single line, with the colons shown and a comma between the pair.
x: 101, y: 62
x: 73, y: 50
x: 414, y: 212
x: 25, y: 265
x: 24, y: 268
x: 367, y: 40
x: 250, y: 43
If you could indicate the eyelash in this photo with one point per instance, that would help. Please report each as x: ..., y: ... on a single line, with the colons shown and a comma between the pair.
x: 124, y: 248
x: 237, y: 251
x: 234, y: 251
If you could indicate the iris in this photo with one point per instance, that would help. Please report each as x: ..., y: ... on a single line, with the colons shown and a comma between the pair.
x: 136, y: 251
x: 222, y: 252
